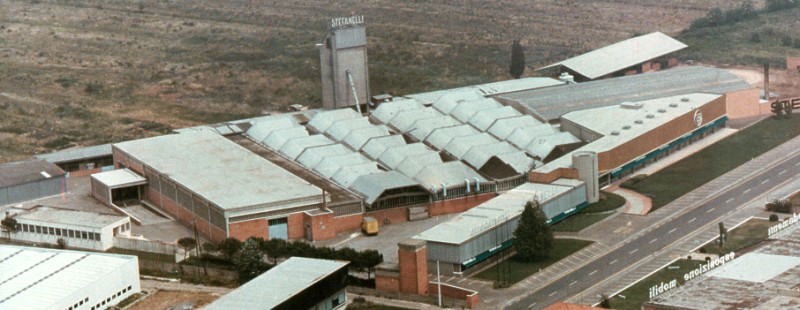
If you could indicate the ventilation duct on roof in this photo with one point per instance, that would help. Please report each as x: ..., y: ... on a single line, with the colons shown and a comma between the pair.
x: 673, y: 105
x: 685, y: 99
x: 650, y: 116
x: 615, y: 133
x: 662, y: 110
x: 638, y: 121
x: 626, y: 127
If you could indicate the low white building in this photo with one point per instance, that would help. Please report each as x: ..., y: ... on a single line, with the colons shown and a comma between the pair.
x: 80, y: 229
x: 37, y: 278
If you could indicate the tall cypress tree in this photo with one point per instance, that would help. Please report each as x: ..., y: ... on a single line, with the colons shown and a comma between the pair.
x: 534, y: 239
x: 517, y: 67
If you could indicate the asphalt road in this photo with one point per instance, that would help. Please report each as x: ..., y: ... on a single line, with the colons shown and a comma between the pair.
x: 671, y: 231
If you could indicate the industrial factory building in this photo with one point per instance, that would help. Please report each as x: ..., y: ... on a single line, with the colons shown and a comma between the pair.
x: 38, y: 278
x: 79, y: 229
x: 29, y: 180
x: 640, y: 54
x: 81, y: 161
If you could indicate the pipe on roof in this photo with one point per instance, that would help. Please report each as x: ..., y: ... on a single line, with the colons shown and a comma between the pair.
x: 444, y: 190
x: 467, y: 180
x: 477, y: 185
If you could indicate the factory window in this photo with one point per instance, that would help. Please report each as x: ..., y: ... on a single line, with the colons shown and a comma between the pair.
x: 25, y: 227
x: 97, y: 236
x: 52, y: 230
x: 38, y: 229
x: 129, y: 287
x: 71, y: 233
x: 58, y: 231
x: 91, y: 236
x: 83, y: 235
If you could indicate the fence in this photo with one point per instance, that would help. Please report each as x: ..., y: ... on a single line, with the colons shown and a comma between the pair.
x: 448, y: 302
x: 149, y: 246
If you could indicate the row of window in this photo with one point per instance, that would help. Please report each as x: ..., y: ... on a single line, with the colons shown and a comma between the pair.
x: 113, y: 296
x: 61, y: 232
x: 124, y: 227
x: 78, y: 304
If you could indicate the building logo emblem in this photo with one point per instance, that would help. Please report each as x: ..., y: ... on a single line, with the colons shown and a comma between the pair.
x: 698, y: 118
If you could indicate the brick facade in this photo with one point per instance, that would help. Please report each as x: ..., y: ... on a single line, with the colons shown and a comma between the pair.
x: 413, y: 263
x: 321, y: 223
x: 745, y: 103
x: 296, y: 228
x: 247, y: 229
x: 458, y: 205
x: 549, y: 177
x: 471, y: 297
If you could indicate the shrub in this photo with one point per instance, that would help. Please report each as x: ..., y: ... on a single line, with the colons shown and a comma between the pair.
x: 754, y: 37
x: 786, y: 40
x: 702, y: 250
x: 773, y: 217
x: 780, y: 206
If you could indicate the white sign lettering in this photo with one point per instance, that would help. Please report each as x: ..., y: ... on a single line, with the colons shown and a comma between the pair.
x: 663, y: 287
x: 782, y: 225
x: 708, y: 266
x: 347, y: 21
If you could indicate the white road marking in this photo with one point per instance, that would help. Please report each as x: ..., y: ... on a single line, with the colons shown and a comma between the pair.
x: 692, y: 220
x: 765, y: 181
x: 573, y: 283
x: 747, y: 191
x: 672, y: 230
x: 551, y: 294
x: 710, y: 210
x: 654, y: 240
x: 612, y: 262
x: 462, y: 280
x: 729, y: 200
x: 531, y: 305
x: 634, y: 251
x: 782, y: 172
x: 593, y: 272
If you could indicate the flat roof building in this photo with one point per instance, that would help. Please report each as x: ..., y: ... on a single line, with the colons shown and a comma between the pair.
x: 81, y: 161
x: 38, y: 278
x: 205, y: 178
x: 297, y: 283
x: 626, y: 57
x: 30, y: 179
x: 79, y: 229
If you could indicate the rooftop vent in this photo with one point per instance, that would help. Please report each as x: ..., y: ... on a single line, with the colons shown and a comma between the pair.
x: 685, y: 99
x: 673, y: 105
x: 662, y: 110
x: 626, y: 127
x: 615, y: 133
x: 567, y: 78
x: 631, y: 105
x: 650, y: 116
x: 638, y: 121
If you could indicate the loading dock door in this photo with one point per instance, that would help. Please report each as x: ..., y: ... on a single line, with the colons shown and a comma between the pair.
x: 279, y: 228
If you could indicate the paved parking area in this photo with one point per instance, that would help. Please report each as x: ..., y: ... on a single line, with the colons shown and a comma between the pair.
x: 386, y: 241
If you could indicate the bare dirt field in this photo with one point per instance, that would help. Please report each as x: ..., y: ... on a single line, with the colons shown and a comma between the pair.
x: 85, y: 72
x: 161, y: 300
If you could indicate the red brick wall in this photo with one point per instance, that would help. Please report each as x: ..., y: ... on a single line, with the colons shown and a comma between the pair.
x: 247, y: 229
x: 346, y: 223
x: 745, y: 103
x: 395, y: 215
x: 413, y: 271
x: 322, y: 226
x: 539, y: 177
x: 471, y: 297
x: 86, y: 172
x: 458, y: 205
x: 296, y: 227
x: 185, y: 216
x: 387, y: 283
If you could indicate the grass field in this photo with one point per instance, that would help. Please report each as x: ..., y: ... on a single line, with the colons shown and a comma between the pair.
x: 639, y: 292
x: 593, y: 213
x: 747, y: 234
x: 691, y: 172
x: 519, y: 270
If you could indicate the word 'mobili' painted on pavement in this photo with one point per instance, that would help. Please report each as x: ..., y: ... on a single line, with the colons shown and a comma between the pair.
x: 782, y: 225
x: 663, y: 287
x: 714, y: 263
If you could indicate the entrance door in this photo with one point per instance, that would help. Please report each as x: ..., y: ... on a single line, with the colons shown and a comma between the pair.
x: 279, y: 228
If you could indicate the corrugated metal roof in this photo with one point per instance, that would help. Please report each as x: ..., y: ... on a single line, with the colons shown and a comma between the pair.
x: 423, y: 127
x: 484, y: 119
x: 375, y: 147
x: 294, y: 147
x: 441, y: 137
x: 328, y: 166
x: 76, y: 154
x: 542, y: 147
x: 373, y: 185
x: 406, y: 118
x: 393, y: 156
x: 50, y: 276
x: 551, y: 103
x: 621, y: 55
x: 323, y: 120
x: 261, y: 129
x: 412, y: 164
x: 465, y: 111
x: 459, y: 146
x: 388, y: 110
x: 311, y: 156
x: 479, y: 155
x: 448, y: 101
x: 451, y: 174
x: 277, y: 139
x: 503, y: 127
x: 22, y: 172
x: 74, y: 218
x: 489, y: 89
x: 357, y: 138
x: 498, y: 210
x: 119, y: 177
x: 278, y: 284
x: 348, y: 174
x: 222, y: 171
x: 340, y: 129
x: 523, y: 136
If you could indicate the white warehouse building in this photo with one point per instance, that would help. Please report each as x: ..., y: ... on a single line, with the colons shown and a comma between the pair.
x: 79, y: 229
x: 37, y: 278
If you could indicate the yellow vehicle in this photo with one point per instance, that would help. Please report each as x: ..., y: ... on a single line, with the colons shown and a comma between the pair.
x: 369, y: 225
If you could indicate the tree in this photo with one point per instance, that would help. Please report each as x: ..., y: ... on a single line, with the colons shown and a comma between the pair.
x: 370, y: 259
x: 605, y: 302
x: 9, y: 225
x: 61, y: 243
x: 274, y: 248
x: 248, y: 260
x: 187, y: 244
x: 229, y: 247
x: 517, y: 67
x: 534, y: 239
